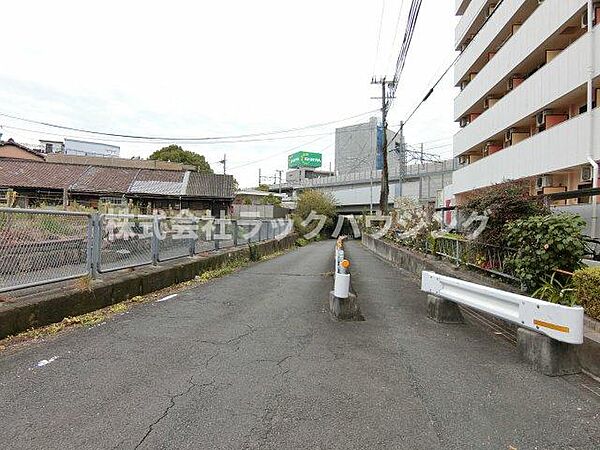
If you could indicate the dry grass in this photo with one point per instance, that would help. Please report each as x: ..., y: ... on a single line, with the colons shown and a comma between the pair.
x: 83, y: 283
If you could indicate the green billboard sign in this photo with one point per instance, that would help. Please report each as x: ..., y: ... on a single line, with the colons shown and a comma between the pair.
x: 304, y: 159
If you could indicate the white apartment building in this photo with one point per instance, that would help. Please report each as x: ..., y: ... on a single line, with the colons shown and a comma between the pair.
x: 529, y: 74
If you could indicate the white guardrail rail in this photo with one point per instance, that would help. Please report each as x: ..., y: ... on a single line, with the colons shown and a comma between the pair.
x: 563, y: 323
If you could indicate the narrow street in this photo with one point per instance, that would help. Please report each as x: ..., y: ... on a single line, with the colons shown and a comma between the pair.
x: 254, y: 360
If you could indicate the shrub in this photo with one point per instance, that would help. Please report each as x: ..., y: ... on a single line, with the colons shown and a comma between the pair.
x: 502, y: 203
x: 271, y: 200
x: 253, y: 252
x: 554, y: 291
x: 544, y: 244
x: 587, y: 290
x: 320, y: 202
x: 412, y: 223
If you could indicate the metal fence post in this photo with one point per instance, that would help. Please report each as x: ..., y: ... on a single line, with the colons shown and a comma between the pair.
x: 457, y: 253
x: 155, y: 238
x: 234, y: 232
x: 212, y: 232
x: 194, y: 237
x: 92, y: 235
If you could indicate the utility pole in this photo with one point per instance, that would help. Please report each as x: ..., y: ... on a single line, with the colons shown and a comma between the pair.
x: 280, y: 172
x: 224, y: 162
x: 259, y: 176
x: 385, y: 104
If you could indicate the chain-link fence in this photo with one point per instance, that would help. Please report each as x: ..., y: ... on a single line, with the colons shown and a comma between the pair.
x: 39, y: 246
x: 42, y: 246
x: 125, y: 241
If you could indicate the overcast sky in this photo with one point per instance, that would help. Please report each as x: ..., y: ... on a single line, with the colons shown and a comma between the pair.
x: 200, y: 68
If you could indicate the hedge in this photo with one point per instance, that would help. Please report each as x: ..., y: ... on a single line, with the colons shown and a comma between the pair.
x: 587, y: 289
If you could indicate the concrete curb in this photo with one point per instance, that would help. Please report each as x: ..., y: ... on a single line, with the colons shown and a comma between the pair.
x: 36, y: 307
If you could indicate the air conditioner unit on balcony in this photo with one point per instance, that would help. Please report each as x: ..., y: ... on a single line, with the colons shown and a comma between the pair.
x: 548, y: 118
x: 514, y: 136
x: 464, y: 84
x: 490, y: 10
x: 540, y: 118
x: 587, y: 174
x: 514, y: 81
x: 489, y: 102
x: 463, y: 159
x: 595, y: 19
x: 464, y: 121
x: 491, y: 147
x: 544, y: 181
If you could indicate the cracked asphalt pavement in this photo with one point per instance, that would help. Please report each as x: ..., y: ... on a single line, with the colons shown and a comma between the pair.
x: 254, y: 360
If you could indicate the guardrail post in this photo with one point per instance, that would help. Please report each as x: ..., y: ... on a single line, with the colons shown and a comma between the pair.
x: 442, y: 310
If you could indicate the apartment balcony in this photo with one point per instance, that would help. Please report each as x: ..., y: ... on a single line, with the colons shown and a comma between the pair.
x: 553, y: 25
x: 461, y: 6
x: 493, y: 35
x: 472, y: 19
x: 562, y: 146
x: 560, y: 83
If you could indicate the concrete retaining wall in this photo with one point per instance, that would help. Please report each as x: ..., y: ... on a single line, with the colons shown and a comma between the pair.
x: 48, y: 304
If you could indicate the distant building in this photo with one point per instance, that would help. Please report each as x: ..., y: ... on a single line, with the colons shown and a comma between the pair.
x: 12, y: 149
x: 48, y: 147
x: 83, y: 148
x: 305, y: 173
x: 37, y: 182
x: 358, y: 148
x: 74, y: 147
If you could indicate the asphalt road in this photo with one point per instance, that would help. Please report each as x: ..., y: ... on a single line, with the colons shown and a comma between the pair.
x: 254, y: 360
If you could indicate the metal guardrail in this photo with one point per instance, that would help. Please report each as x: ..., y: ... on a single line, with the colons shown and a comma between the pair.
x: 563, y: 323
x: 45, y: 246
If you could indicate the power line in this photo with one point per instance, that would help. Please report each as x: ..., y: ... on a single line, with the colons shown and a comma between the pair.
x: 241, y: 141
x: 413, y: 15
x: 181, y: 139
x: 379, y: 35
x: 277, y: 154
x: 432, y: 89
x: 429, y: 92
x: 397, y: 27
